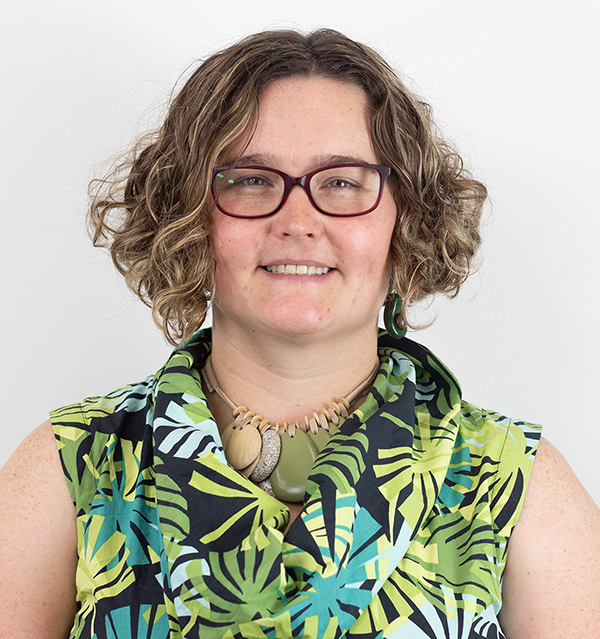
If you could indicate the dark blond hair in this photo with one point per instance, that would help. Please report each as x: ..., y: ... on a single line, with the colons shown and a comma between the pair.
x: 153, y: 209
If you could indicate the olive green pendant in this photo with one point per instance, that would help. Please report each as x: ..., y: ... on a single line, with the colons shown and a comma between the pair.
x: 297, y: 457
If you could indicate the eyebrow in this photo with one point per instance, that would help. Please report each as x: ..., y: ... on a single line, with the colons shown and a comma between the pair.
x: 268, y: 161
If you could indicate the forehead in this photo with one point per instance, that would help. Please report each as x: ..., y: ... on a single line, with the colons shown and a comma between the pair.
x: 302, y: 121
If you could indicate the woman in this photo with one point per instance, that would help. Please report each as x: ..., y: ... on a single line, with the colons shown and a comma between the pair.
x: 296, y: 185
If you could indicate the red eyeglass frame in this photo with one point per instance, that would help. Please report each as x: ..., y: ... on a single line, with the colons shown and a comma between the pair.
x: 304, y: 182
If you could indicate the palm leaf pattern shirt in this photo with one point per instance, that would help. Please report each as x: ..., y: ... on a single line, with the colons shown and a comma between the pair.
x: 404, y: 531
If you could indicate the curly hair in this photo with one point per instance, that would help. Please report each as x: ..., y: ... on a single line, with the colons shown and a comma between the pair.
x: 152, y: 211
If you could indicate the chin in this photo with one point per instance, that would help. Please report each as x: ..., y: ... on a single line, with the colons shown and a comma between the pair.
x: 299, y: 323
x: 304, y: 322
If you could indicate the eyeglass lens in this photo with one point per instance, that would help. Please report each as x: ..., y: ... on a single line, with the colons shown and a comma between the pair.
x: 252, y: 192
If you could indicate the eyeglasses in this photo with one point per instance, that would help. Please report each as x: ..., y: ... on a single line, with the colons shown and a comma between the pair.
x: 343, y: 190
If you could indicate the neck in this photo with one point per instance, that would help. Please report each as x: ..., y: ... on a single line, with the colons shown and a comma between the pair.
x: 285, y: 377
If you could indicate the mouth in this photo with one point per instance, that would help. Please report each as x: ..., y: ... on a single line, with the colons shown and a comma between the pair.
x: 296, y: 269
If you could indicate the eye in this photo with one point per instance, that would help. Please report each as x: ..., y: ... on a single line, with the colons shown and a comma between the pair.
x: 341, y: 183
x: 344, y: 179
x: 251, y: 181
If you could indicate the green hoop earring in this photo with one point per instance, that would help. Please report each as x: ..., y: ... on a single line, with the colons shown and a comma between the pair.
x: 391, y: 310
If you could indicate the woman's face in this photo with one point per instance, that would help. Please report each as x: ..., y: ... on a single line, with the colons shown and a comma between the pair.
x: 304, y: 124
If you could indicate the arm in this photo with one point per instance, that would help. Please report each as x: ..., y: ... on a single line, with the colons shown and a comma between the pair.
x: 551, y: 586
x: 38, y: 543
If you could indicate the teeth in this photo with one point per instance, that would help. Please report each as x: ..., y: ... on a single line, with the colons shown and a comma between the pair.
x: 300, y: 269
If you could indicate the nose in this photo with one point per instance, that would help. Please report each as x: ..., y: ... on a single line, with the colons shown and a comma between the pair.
x: 298, y: 217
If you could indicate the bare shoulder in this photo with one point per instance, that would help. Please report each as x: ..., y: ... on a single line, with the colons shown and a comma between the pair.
x: 551, y: 586
x: 38, y: 542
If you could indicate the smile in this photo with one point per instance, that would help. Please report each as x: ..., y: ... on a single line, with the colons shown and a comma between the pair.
x: 300, y: 269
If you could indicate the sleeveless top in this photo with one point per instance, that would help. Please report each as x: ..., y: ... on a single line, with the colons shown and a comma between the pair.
x: 404, y: 531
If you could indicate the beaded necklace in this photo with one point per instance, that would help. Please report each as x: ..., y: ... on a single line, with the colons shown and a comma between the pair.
x: 279, y: 457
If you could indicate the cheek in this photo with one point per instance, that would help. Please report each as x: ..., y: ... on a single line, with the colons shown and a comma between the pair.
x: 227, y: 239
x: 221, y: 243
x: 388, y: 226
x: 234, y: 250
x: 377, y: 255
x: 370, y: 251
x: 376, y: 246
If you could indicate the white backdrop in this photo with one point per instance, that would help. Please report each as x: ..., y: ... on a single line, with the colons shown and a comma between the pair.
x: 514, y: 83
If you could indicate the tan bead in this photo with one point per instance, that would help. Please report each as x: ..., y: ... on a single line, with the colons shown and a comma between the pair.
x: 247, y: 419
x: 256, y: 420
x: 333, y: 413
x: 344, y: 406
x: 313, y: 423
x: 242, y: 419
x: 243, y: 447
x: 323, y: 420
x: 264, y: 425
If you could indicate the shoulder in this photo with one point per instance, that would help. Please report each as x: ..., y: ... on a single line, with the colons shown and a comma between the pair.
x: 93, y: 435
x: 86, y: 428
x: 38, y: 541
x: 552, y: 581
x: 503, y: 452
x: 35, y: 464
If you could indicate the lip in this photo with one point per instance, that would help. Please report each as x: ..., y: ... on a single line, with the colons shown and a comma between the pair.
x: 296, y: 270
x: 296, y: 263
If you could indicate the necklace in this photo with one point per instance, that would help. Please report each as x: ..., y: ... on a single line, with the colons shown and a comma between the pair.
x: 279, y: 457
